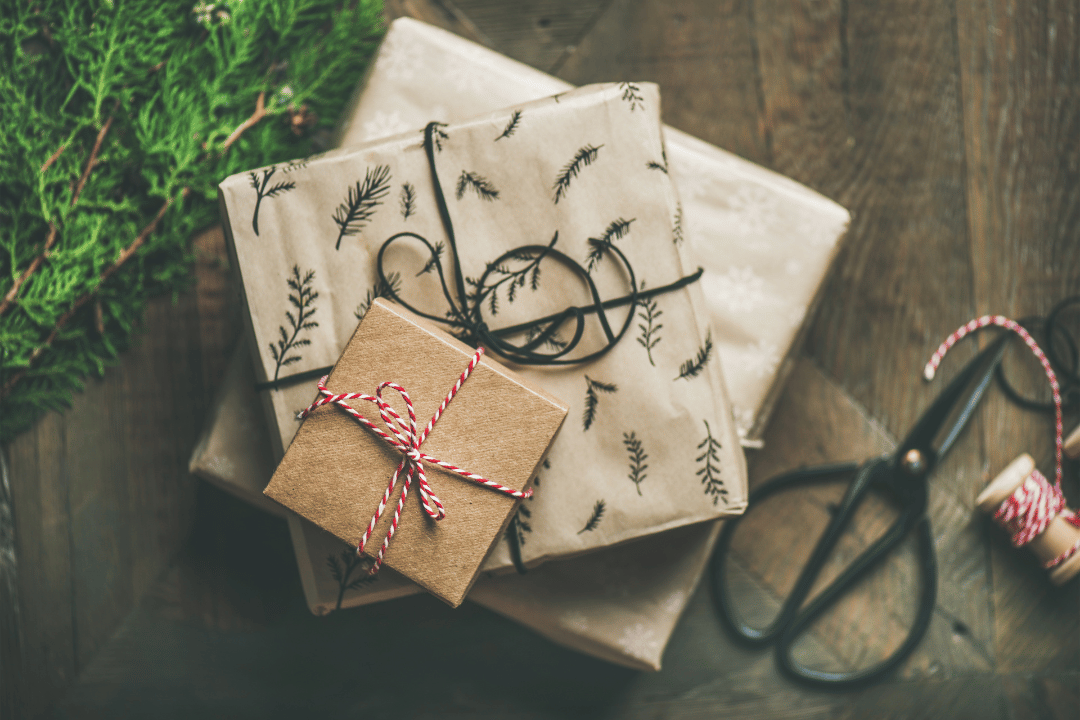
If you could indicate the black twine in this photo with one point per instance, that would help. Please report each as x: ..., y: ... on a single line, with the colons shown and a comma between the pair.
x: 466, y: 313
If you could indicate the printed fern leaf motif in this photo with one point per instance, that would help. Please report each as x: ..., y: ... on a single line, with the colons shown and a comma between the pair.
x: 433, y: 261
x: 408, y: 201
x: 676, y: 226
x: 650, y: 328
x: 380, y: 289
x: 693, y: 367
x: 709, y: 472
x: 511, y: 280
x: 593, y: 388
x: 341, y: 570
x: 584, y: 157
x: 637, y: 459
x: 552, y: 341
x: 520, y: 524
x: 261, y: 192
x: 632, y: 94
x: 295, y: 165
x: 361, y: 202
x: 617, y: 229
x: 302, y: 298
x: 662, y: 167
x: 510, y: 126
x: 479, y: 184
x: 594, y: 519
x: 439, y: 136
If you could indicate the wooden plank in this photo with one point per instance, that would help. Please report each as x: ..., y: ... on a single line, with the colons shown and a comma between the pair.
x: 700, y: 51
x: 43, y: 543
x: 1020, y: 66
x: 536, y: 32
x: 848, y: 90
x: 440, y: 13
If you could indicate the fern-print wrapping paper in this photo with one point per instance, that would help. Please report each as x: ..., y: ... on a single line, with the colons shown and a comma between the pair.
x: 650, y: 443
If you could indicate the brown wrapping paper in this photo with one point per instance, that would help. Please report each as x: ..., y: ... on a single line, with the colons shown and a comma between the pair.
x: 565, y: 168
x: 498, y: 425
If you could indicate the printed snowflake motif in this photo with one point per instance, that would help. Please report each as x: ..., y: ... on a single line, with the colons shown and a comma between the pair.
x: 744, y: 419
x: 674, y: 603
x: 639, y: 641
x: 741, y: 290
x: 754, y: 207
x: 397, y: 60
x: 575, y: 621
x: 465, y: 80
x: 761, y: 358
x: 384, y: 124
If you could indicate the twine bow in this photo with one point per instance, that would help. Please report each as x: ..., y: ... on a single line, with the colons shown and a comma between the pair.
x: 403, y: 437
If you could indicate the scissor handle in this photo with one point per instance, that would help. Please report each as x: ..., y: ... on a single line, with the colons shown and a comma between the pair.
x: 791, y: 621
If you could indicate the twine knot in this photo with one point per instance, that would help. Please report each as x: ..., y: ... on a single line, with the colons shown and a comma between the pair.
x: 404, y: 438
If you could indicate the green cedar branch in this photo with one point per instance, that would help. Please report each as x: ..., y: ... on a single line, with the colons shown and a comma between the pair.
x: 50, y: 239
x: 122, y: 258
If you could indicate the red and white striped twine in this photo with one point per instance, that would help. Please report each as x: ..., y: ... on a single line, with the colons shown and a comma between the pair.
x: 1030, y: 509
x: 404, y: 438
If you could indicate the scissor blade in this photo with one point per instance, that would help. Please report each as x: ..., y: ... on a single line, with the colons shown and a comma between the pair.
x: 955, y: 405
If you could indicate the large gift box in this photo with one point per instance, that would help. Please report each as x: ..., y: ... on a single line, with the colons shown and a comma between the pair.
x: 488, y: 431
x: 555, y: 218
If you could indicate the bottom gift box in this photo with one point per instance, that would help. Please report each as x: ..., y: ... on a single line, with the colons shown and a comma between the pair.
x: 620, y: 604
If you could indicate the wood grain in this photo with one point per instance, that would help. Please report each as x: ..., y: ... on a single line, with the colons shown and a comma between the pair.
x: 702, y: 54
x: 950, y: 129
x: 1020, y: 67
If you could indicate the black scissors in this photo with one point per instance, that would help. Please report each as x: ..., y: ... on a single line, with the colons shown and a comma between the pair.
x: 901, y: 477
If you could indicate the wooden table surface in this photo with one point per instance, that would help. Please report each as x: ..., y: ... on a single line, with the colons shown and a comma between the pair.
x: 949, y: 128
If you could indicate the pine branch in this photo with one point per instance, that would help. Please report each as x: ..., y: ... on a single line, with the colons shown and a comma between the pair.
x: 510, y: 126
x: 650, y: 329
x: 637, y: 460
x: 594, y: 519
x: 361, y: 202
x: 584, y: 157
x: 710, y: 471
x: 631, y: 94
x: 408, y: 201
x: 478, y: 183
x: 693, y: 367
x: 616, y: 230
x: 122, y: 258
x: 381, y: 289
x: 592, y: 398
x: 303, y: 299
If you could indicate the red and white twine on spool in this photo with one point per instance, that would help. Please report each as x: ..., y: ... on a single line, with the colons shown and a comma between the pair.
x: 1031, y: 504
x: 404, y: 438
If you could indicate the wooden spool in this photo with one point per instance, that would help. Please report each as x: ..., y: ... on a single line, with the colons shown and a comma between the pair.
x: 1059, y: 535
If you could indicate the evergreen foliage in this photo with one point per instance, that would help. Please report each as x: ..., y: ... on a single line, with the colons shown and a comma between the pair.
x: 120, y: 118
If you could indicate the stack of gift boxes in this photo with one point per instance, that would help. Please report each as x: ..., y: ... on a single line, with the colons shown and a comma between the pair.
x: 633, y: 291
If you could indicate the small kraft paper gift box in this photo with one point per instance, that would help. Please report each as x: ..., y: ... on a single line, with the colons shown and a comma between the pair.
x: 550, y: 233
x: 468, y: 466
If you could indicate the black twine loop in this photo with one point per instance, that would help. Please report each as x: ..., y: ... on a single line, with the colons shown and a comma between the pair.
x: 466, y: 312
